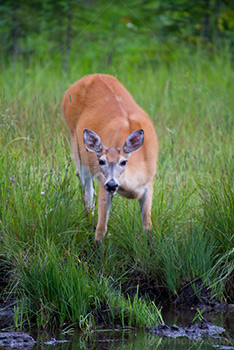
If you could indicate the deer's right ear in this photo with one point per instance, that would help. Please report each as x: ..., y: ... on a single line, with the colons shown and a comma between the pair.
x: 92, y: 141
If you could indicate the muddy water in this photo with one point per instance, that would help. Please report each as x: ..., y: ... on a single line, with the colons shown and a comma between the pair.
x: 138, y: 340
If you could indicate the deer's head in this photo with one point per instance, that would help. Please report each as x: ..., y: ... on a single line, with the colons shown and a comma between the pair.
x: 113, y: 160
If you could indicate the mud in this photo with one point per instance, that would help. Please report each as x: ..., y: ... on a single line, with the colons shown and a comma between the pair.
x: 223, y: 347
x: 6, y: 317
x: 16, y: 340
x: 136, y: 281
x: 54, y: 341
x: 194, y: 295
x: 194, y: 332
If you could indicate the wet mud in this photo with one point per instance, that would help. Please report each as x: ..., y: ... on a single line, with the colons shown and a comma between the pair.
x: 194, y: 332
x: 16, y: 340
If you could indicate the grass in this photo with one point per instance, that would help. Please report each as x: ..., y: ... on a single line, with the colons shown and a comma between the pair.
x: 59, y: 290
x: 47, y: 237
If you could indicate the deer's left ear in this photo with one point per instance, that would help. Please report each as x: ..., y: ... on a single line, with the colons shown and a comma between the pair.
x: 92, y: 141
x: 134, y: 141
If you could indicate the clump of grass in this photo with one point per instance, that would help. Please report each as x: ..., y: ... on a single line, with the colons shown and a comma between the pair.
x: 218, y: 211
x: 58, y: 290
x: 37, y: 205
x: 217, y: 214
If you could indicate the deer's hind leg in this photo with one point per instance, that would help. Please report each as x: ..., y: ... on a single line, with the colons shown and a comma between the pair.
x: 88, y: 189
x: 145, y: 205
x: 85, y: 177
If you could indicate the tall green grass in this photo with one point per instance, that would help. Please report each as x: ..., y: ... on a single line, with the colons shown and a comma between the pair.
x: 46, y: 234
x: 59, y: 289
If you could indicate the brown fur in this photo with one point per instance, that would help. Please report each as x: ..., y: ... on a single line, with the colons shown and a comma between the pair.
x: 100, y: 103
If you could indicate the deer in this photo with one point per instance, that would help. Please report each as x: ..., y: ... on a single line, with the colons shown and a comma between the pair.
x: 114, y: 141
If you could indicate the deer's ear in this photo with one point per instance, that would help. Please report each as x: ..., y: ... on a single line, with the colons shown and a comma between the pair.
x: 92, y: 141
x: 134, y: 141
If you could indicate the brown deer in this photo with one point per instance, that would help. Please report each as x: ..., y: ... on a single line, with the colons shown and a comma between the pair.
x: 113, y: 140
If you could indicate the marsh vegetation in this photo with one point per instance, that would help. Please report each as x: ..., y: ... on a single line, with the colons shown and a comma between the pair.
x: 47, y: 238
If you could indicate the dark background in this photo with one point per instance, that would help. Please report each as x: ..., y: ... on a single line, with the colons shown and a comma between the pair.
x: 132, y: 30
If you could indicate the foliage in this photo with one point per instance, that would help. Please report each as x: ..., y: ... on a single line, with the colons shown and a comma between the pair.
x: 112, y: 29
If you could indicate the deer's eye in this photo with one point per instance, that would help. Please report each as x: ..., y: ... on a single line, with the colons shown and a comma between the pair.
x: 102, y: 162
x: 123, y: 163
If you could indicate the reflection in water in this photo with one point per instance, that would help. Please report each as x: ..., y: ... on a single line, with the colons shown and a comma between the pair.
x: 139, y: 340
x: 136, y: 341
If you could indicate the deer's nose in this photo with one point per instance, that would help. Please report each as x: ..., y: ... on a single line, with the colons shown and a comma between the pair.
x: 111, y: 186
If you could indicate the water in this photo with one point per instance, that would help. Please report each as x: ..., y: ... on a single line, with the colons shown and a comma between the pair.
x: 139, y: 340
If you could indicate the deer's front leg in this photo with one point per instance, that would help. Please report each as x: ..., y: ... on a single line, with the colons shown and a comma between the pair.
x: 104, y: 204
x: 145, y: 204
